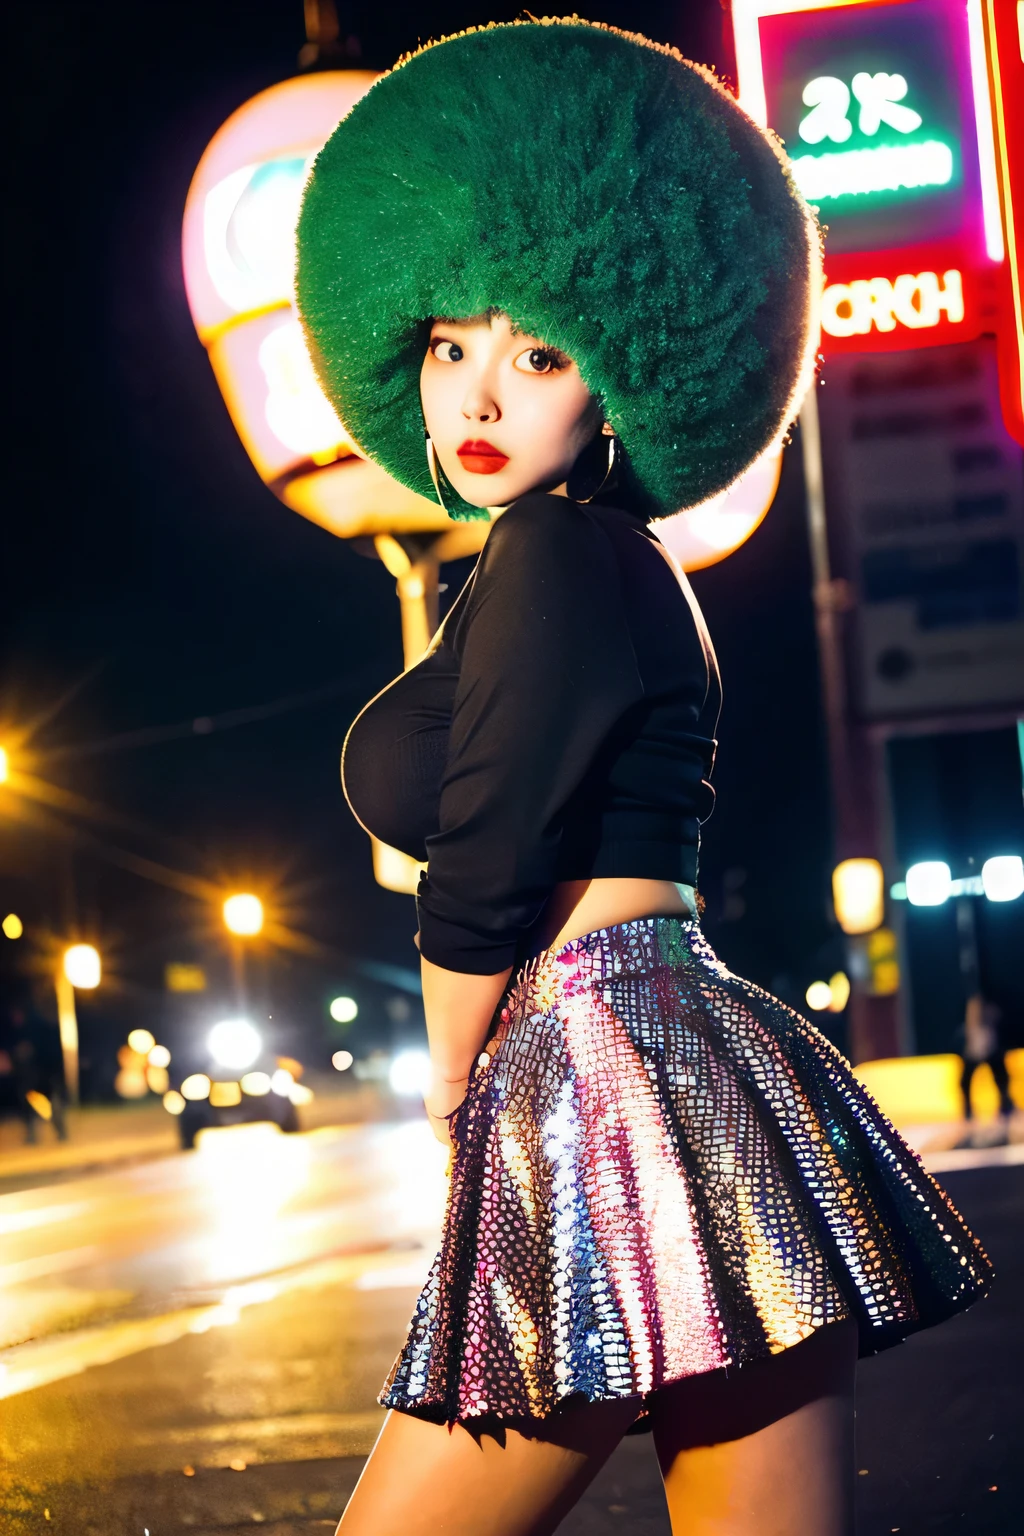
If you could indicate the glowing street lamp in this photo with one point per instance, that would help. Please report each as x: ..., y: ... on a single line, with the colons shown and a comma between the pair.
x: 243, y: 915
x: 243, y: 918
x: 1002, y: 877
x: 929, y: 883
x: 80, y: 967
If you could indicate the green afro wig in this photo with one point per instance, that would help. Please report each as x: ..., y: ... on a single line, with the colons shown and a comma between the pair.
x: 606, y: 194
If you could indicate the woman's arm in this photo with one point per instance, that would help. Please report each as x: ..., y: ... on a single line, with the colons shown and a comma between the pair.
x: 458, y: 1009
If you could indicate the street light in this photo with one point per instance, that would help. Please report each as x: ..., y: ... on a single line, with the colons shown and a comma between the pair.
x: 80, y: 967
x: 243, y: 915
x: 929, y: 883
x: 1002, y: 877
x: 243, y: 918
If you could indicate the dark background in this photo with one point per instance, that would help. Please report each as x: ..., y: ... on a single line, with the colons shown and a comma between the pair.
x: 149, y: 579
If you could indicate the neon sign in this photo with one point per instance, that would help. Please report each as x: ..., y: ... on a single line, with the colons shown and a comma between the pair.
x: 885, y: 169
x: 885, y: 113
x: 880, y: 98
x: 917, y: 302
x: 880, y: 168
x: 875, y: 106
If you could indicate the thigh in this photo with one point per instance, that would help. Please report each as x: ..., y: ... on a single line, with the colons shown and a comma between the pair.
x: 766, y: 1450
x: 425, y: 1478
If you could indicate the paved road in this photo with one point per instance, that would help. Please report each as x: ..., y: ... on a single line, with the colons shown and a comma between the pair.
x: 195, y: 1345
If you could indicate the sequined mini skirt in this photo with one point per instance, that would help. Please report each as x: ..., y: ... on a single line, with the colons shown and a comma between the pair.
x: 660, y: 1171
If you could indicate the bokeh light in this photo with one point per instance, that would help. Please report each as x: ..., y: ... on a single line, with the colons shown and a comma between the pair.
x: 1002, y: 877
x: 858, y: 893
x: 839, y: 989
x: 243, y: 914
x: 819, y: 996
x: 82, y: 966
x: 12, y: 926
x: 410, y: 1073
x: 142, y: 1041
x: 342, y: 1060
x: 928, y: 883
x: 234, y: 1043
x: 344, y: 1009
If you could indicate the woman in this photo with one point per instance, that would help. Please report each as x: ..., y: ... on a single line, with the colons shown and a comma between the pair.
x: 570, y: 258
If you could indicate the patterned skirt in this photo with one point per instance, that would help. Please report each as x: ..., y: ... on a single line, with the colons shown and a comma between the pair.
x: 662, y: 1170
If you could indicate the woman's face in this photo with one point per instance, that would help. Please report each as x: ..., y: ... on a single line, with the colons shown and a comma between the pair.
x: 506, y: 413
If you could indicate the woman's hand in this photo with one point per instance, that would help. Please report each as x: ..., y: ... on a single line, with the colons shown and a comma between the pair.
x: 442, y: 1100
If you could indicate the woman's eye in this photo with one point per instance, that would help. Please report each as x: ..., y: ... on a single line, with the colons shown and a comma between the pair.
x: 540, y: 360
x: 447, y: 351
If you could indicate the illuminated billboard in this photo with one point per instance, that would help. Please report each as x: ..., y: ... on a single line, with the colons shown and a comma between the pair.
x: 883, y: 108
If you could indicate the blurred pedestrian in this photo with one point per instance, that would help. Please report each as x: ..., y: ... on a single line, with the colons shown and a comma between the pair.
x: 983, y: 1046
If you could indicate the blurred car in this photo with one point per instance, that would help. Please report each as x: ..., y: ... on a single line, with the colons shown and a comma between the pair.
x: 239, y: 1082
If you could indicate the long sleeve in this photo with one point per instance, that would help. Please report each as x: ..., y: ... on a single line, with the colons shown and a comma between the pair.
x: 546, y: 670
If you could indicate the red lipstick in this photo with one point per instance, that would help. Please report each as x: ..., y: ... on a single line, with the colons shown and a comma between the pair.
x: 481, y: 457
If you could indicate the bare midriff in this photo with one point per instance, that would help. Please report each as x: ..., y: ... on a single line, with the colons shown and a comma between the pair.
x: 576, y: 907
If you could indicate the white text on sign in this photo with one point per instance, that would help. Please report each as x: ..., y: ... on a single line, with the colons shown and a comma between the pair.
x: 851, y: 309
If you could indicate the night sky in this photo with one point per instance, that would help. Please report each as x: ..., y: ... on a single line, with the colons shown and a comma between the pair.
x: 151, y: 581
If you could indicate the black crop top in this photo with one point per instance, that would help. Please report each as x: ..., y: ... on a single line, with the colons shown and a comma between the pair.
x: 561, y: 727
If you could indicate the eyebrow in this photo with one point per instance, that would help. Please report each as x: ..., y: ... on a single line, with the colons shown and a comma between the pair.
x: 485, y: 316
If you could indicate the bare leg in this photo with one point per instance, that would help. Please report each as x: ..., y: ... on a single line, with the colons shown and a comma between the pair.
x: 422, y: 1477
x: 766, y: 1450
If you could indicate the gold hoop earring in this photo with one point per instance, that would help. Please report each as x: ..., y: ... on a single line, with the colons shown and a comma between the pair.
x: 612, y: 452
x: 432, y: 465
